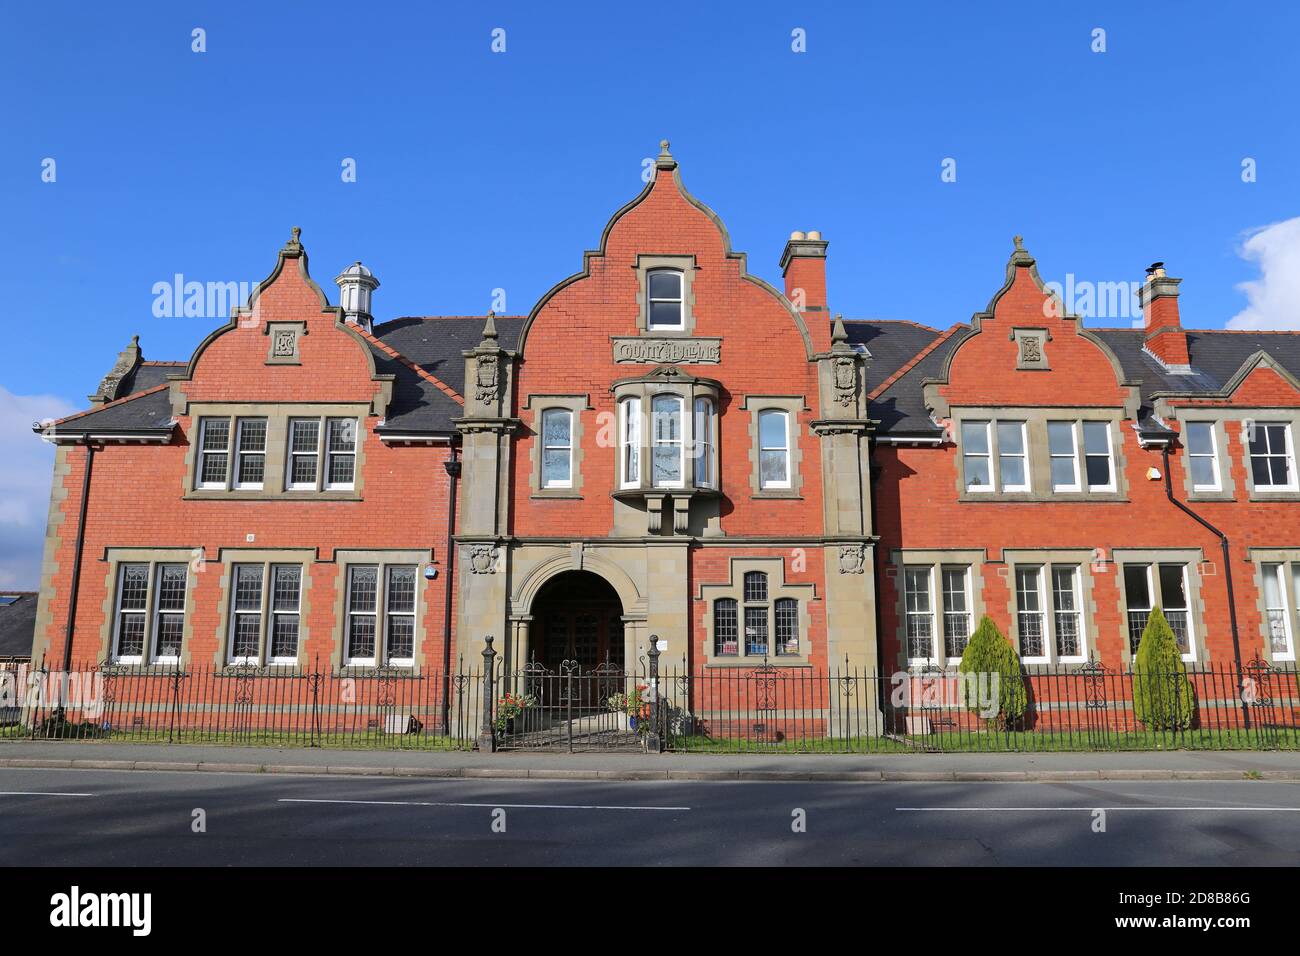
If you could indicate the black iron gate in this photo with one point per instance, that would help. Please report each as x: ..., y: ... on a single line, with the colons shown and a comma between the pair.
x: 570, y: 707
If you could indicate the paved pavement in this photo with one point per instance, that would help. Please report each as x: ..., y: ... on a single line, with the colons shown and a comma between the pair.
x: 52, y: 817
x: 1207, y: 765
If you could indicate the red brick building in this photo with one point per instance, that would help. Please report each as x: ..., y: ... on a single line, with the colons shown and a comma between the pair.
x: 667, y: 445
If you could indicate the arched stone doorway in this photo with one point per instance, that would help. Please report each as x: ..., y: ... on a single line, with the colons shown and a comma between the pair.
x: 577, y: 616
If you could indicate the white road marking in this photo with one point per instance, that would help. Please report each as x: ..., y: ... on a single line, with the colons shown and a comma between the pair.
x: 505, y: 806
x: 1237, y: 809
x: 38, y: 793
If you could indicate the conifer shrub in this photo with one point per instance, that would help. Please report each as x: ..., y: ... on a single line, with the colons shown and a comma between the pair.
x: 989, y: 657
x: 1162, y: 693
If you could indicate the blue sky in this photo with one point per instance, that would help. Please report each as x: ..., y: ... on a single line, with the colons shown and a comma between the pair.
x: 479, y: 170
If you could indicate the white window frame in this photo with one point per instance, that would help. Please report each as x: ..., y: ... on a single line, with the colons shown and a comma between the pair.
x: 1213, y: 456
x: 680, y: 300
x: 986, y: 456
x: 331, y: 454
x: 349, y: 613
x: 1080, y: 622
x: 965, y: 571
x: 203, y: 451
x: 1289, y: 451
x: 1280, y: 571
x: 315, y: 453
x: 679, y: 442
x: 1044, y: 627
x: 763, y: 483
x: 238, y: 454
x: 566, y: 482
x: 929, y: 614
x: 1109, y: 455
x: 1023, y: 456
x: 1156, y: 598
x: 1075, y: 485
x: 629, y: 455
x: 268, y: 639
x: 119, y: 613
x: 390, y: 614
x: 704, y: 444
x: 157, y: 613
x: 233, y: 624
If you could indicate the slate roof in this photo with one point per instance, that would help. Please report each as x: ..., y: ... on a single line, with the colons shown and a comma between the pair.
x: 434, y: 344
x: 1216, y: 356
x: 17, y: 624
x: 146, y: 413
x: 900, y: 357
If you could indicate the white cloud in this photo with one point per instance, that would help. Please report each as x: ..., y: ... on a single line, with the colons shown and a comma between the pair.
x: 1274, y: 297
x: 26, y: 469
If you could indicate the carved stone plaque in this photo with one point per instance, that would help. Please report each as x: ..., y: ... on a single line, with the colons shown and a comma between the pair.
x: 691, y: 351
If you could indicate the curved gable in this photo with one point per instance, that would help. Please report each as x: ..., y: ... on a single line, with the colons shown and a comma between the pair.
x: 1024, y: 349
x: 240, y: 360
x: 663, y: 219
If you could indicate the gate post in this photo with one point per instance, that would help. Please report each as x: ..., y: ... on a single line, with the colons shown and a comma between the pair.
x: 487, y: 738
x: 654, y: 739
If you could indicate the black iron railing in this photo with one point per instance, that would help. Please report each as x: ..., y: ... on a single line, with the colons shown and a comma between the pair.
x: 761, y: 708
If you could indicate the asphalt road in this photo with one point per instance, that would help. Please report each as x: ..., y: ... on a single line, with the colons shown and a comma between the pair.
x: 92, y: 818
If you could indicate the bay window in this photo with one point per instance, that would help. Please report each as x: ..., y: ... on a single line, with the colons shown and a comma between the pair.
x: 666, y: 459
x: 629, y: 455
x: 704, y: 444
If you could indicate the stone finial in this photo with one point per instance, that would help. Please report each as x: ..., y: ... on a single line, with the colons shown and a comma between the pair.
x: 295, y: 240
x: 840, y: 335
x: 665, y: 160
x: 489, y: 331
x: 1020, y: 255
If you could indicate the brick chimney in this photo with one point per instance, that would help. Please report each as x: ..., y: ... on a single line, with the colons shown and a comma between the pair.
x: 1165, y: 337
x: 803, y: 264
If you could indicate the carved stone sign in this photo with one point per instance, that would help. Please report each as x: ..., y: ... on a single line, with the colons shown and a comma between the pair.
x: 286, y: 340
x: 483, y: 558
x: 487, y: 378
x: 1031, y: 348
x: 668, y: 351
x: 284, y: 343
x: 846, y: 381
x: 852, y: 558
